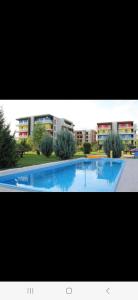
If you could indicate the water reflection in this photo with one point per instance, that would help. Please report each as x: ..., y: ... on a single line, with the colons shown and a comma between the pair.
x: 94, y: 175
x: 108, y: 171
x: 88, y: 165
x: 48, y: 180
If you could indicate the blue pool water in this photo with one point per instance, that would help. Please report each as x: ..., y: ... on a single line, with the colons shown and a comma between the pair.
x: 84, y: 175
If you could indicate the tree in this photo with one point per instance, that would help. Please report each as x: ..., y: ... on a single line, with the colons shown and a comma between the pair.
x: 95, y: 147
x: 47, y: 145
x: 65, y: 145
x: 87, y: 148
x: 8, y: 156
x: 25, y: 146
x: 29, y: 142
x: 113, y: 143
x: 38, y: 133
x: 22, y: 146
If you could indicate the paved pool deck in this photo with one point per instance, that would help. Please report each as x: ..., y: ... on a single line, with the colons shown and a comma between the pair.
x: 128, y: 181
x: 129, y: 178
x: 6, y: 190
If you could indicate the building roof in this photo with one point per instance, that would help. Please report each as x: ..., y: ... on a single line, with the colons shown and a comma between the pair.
x: 123, y: 122
x: 68, y: 121
x: 115, y: 122
x: 88, y: 130
x: 35, y: 116
x: 44, y: 115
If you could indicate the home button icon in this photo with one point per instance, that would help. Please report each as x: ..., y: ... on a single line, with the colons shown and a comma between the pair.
x: 69, y: 291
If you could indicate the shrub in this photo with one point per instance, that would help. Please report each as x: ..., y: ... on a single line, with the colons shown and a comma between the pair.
x: 95, y: 147
x: 8, y: 157
x: 22, y: 144
x: 113, y: 143
x: 87, y: 148
x: 20, y: 150
x: 65, y: 145
x: 47, y: 145
x: 79, y: 148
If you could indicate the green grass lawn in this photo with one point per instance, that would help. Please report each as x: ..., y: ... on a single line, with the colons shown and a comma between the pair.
x: 31, y: 158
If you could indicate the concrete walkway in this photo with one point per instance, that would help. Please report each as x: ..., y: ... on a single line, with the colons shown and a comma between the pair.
x: 3, y: 189
x: 129, y: 178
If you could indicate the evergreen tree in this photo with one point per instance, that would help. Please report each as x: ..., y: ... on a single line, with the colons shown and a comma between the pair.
x: 65, y: 146
x: 87, y: 148
x: 113, y: 143
x: 47, y: 145
x: 1, y: 119
x: 8, y: 155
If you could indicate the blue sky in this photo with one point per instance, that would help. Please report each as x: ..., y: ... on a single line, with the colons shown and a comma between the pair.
x: 84, y: 113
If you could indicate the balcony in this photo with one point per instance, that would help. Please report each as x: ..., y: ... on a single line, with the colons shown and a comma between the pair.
x: 127, y: 138
x: 68, y: 125
x: 23, y: 123
x: 125, y: 132
x: 104, y: 127
x: 23, y: 135
x: 23, y: 130
x: 44, y: 121
x: 125, y: 126
x: 102, y: 138
x: 22, y: 126
x: 104, y: 133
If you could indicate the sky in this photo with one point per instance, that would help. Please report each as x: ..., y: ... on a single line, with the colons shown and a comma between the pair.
x: 85, y: 114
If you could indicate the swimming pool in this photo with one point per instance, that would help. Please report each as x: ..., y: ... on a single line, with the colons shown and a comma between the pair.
x: 80, y: 175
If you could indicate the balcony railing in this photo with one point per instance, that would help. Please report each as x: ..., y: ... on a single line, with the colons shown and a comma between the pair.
x: 125, y: 127
x: 23, y: 130
x: 104, y: 127
x: 68, y: 125
x: 22, y: 123
x: 127, y: 138
x: 102, y: 137
x: 125, y: 132
x: 25, y: 127
x: 46, y: 121
x: 104, y: 133
x: 23, y: 135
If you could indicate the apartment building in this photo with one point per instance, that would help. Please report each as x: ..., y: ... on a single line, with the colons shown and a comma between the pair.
x: 83, y: 136
x: 52, y: 124
x: 126, y: 130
